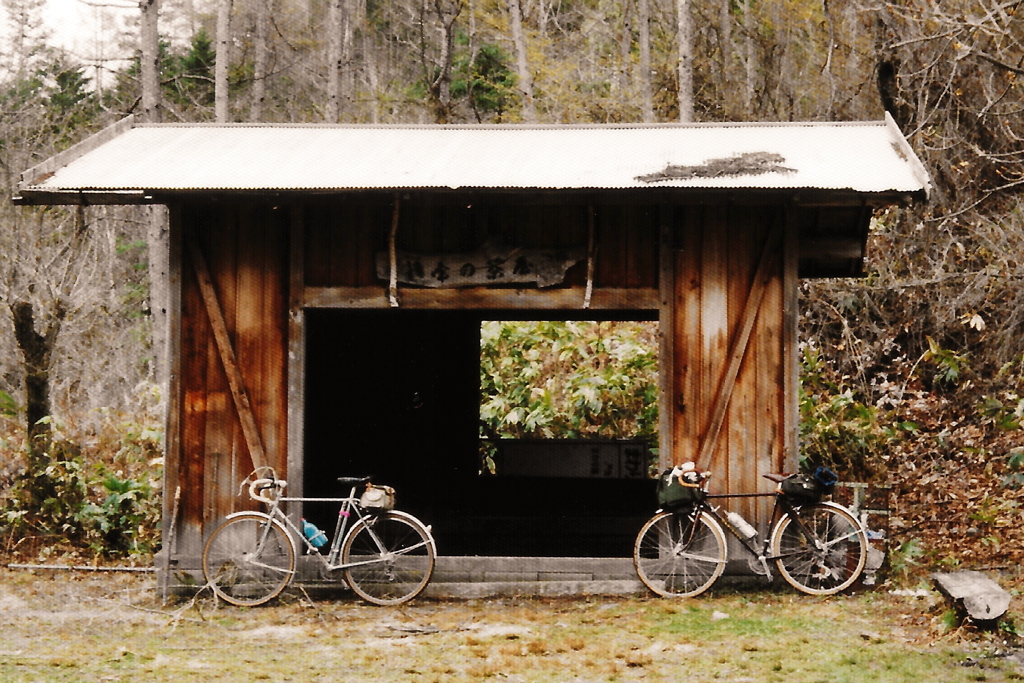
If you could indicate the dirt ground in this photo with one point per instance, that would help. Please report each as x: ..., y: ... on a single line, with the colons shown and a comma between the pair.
x: 75, y: 626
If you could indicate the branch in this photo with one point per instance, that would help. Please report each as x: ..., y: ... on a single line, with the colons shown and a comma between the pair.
x: 995, y: 62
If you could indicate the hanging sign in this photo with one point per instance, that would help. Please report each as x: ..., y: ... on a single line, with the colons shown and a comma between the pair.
x: 491, y: 265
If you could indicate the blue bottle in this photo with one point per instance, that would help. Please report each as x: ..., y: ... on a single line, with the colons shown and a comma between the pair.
x: 316, y: 537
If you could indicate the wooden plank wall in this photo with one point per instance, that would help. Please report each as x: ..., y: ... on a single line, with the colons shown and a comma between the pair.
x: 718, y: 249
x: 246, y: 249
x: 715, y: 253
x: 342, y: 238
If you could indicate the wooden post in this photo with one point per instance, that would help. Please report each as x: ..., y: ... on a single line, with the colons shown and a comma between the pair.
x: 666, y: 335
x: 296, y: 353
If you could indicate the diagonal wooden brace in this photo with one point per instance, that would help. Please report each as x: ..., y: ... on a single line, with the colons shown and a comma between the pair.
x: 227, y: 356
x: 740, y: 342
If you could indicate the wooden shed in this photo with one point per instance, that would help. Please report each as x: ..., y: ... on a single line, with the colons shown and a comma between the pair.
x: 329, y: 282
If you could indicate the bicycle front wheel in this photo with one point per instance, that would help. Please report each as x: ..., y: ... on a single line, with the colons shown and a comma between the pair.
x: 248, y: 560
x: 824, y: 553
x: 676, y: 560
x: 391, y: 556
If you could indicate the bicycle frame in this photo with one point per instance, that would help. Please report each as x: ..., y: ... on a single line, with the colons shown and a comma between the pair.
x: 818, y: 547
x: 349, y: 505
x: 781, y: 507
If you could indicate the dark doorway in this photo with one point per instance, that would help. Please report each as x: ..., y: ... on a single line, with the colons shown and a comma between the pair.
x: 392, y: 394
x: 396, y: 394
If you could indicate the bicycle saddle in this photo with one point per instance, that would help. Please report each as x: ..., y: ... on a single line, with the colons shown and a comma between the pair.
x: 777, y: 478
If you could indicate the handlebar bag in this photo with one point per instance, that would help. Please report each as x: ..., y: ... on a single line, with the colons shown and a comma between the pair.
x: 673, y: 493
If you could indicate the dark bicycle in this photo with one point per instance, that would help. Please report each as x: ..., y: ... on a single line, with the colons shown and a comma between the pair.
x: 819, y: 547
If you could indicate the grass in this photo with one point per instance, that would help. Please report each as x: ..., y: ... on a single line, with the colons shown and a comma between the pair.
x: 74, y: 627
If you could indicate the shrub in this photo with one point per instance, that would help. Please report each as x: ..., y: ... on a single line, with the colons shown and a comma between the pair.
x: 838, y: 429
x: 102, y: 497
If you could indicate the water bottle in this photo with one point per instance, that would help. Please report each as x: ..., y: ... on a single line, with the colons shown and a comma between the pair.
x: 741, y: 525
x: 316, y: 537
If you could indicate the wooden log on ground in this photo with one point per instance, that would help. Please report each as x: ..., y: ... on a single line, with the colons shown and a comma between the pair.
x: 980, y: 597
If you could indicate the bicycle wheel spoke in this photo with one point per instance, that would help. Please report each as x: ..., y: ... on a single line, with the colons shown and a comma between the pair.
x: 248, y: 560
x: 823, y: 556
x: 673, y: 558
x: 391, y: 559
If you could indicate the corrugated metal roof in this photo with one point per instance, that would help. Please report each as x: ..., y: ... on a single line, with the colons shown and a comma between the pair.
x: 129, y: 158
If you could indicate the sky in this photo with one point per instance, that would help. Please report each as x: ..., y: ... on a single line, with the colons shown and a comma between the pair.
x: 99, y: 33
x: 89, y: 29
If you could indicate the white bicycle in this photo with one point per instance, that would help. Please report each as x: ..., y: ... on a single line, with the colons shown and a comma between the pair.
x: 386, y: 556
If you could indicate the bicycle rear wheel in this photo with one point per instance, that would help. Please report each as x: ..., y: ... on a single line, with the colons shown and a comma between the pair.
x: 675, y: 560
x: 249, y: 559
x: 393, y: 554
x: 828, y: 561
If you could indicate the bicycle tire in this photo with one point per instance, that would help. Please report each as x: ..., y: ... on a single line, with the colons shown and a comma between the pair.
x: 674, y: 570
x: 240, y: 568
x: 394, y: 555
x: 833, y: 566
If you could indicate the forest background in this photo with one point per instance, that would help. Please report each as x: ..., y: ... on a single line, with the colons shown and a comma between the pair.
x: 913, y: 376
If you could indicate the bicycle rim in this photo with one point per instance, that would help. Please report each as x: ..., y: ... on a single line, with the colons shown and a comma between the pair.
x: 393, y: 556
x: 248, y: 560
x: 830, y: 562
x: 674, y: 563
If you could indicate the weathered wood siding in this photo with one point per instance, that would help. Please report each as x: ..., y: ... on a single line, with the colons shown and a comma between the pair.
x: 246, y: 251
x: 343, y: 238
x: 269, y: 263
x: 718, y: 250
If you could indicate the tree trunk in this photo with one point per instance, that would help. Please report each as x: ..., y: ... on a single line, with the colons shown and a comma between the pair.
x: 643, y: 8
x: 685, y: 23
x: 155, y: 217
x: 260, y: 60
x: 625, y: 48
x: 37, y: 351
x: 515, y: 11
x: 750, y: 74
x: 439, y: 75
x: 335, y: 28
x: 220, y: 75
x: 347, y: 74
x: 149, y: 39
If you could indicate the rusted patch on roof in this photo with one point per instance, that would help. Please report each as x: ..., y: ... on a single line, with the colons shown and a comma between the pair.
x: 748, y: 163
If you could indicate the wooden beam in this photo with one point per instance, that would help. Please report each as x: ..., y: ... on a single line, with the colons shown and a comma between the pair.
x: 296, y: 354
x: 738, y: 348
x: 666, y: 335
x: 568, y: 298
x: 227, y: 355
x: 788, y: 460
x: 172, y: 529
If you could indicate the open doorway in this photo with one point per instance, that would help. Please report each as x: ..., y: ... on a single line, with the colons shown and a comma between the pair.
x: 397, y: 394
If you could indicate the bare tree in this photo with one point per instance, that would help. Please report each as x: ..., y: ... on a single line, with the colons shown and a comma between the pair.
x: 684, y: 21
x: 155, y: 217
x: 643, y: 8
x: 335, y: 62
x: 221, y: 95
x: 149, y: 42
x: 437, y: 68
x: 261, y: 58
x: 525, y: 78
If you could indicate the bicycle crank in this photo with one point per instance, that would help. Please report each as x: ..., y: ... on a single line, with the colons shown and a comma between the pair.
x: 758, y: 565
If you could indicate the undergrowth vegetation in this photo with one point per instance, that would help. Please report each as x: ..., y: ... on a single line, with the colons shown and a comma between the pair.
x: 93, y: 493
